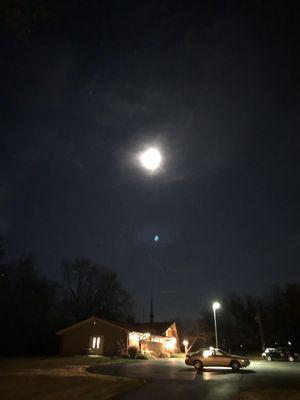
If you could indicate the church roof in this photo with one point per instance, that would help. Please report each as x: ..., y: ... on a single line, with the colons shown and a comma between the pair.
x: 155, y: 328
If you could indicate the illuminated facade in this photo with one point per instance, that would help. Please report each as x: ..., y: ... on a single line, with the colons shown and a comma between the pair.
x: 147, y: 342
x: 99, y: 336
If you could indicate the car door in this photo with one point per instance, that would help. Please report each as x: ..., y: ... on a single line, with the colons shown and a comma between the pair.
x: 221, y: 359
x: 208, y: 358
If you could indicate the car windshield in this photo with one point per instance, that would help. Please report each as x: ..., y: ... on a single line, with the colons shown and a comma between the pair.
x: 282, y: 349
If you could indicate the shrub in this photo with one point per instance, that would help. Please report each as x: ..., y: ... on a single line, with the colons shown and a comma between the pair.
x: 115, y: 350
x: 164, y: 355
x: 132, y: 351
x: 142, y: 356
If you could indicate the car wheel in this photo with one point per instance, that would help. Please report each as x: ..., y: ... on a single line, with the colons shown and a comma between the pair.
x: 291, y: 358
x: 198, y: 365
x: 269, y: 358
x: 235, y: 365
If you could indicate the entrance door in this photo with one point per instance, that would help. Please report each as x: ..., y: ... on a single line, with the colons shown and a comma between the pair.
x: 96, y: 344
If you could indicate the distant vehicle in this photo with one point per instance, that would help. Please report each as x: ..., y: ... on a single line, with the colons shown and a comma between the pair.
x: 279, y: 354
x: 211, y: 357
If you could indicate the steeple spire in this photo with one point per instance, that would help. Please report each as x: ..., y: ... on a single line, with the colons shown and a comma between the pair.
x: 151, y: 309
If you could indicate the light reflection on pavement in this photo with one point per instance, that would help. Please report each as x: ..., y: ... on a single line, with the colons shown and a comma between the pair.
x: 172, y: 379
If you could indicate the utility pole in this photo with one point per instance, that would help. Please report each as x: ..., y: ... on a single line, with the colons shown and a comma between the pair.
x: 261, y: 333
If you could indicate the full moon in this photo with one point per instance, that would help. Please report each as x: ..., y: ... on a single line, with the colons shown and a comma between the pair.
x: 151, y: 159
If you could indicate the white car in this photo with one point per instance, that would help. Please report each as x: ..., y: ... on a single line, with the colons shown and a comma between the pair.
x: 211, y: 357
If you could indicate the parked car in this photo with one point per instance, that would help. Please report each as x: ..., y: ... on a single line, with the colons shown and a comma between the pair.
x: 211, y: 357
x: 279, y: 354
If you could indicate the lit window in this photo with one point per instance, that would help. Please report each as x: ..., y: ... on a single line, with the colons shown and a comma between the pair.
x: 96, y: 342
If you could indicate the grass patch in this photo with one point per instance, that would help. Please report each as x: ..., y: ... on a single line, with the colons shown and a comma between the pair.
x: 60, y: 378
x: 266, y: 394
x: 19, y: 364
x: 178, y: 355
x: 49, y: 387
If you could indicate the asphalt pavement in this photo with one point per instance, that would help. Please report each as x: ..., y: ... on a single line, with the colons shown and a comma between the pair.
x: 172, y: 379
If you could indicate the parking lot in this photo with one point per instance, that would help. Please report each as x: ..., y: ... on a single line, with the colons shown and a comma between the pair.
x: 171, y: 378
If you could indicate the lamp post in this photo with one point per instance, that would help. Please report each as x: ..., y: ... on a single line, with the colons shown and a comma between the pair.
x: 185, y: 343
x: 216, y: 306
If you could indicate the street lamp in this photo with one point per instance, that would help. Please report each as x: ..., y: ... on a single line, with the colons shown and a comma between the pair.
x: 185, y: 343
x: 150, y: 159
x: 216, y: 306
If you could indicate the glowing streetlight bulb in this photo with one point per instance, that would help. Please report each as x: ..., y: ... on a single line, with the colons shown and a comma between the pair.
x: 216, y: 306
x: 151, y: 159
x: 185, y: 343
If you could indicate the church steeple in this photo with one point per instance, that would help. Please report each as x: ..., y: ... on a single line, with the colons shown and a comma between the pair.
x: 151, y: 309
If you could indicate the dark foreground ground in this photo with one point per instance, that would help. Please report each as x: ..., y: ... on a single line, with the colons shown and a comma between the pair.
x: 60, y: 378
x: 172, y: 379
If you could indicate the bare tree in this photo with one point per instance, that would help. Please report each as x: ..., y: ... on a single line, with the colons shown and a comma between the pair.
x: 94, y: 290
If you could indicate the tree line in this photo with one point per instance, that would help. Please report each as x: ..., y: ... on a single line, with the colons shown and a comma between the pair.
x: 33, y: 308
x: 248, y: 323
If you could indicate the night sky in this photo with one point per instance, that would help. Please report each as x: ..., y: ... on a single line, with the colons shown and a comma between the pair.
x: 87, y: 85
